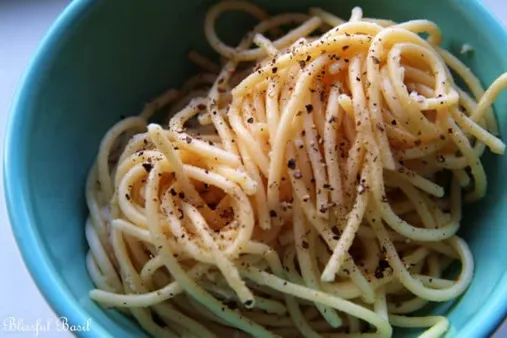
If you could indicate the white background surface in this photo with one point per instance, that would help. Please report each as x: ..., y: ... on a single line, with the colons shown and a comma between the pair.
x: 22, y: 26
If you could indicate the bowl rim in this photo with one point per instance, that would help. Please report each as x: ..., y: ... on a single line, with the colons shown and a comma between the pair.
x: 22, y: 221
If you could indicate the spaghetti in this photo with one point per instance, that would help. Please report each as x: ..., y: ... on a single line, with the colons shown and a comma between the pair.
x: 309, y: 186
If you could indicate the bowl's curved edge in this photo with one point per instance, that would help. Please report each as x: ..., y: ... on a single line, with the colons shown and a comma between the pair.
x: 45, y: 276
x: 486, y: 322
x: 36, y: 259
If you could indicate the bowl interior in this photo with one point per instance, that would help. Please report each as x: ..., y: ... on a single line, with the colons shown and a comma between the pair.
x: 104, y: 60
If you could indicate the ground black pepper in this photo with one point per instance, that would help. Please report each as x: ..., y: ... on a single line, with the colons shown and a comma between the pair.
x: 147, y: 167
x: 291, y: 164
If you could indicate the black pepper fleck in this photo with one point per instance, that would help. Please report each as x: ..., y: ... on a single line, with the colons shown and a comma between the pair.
x: 291, y: 164
x: 147, y: 167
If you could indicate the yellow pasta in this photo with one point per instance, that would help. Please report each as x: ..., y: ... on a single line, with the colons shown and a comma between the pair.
x: 298, y: 196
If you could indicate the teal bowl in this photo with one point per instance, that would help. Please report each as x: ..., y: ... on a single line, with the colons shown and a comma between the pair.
x: 102, y: 60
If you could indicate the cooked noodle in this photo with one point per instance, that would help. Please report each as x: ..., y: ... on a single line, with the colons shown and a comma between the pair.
x: 317, y: 193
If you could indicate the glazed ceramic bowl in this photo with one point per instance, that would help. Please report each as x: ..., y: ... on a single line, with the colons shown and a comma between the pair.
x: 104, y: 59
